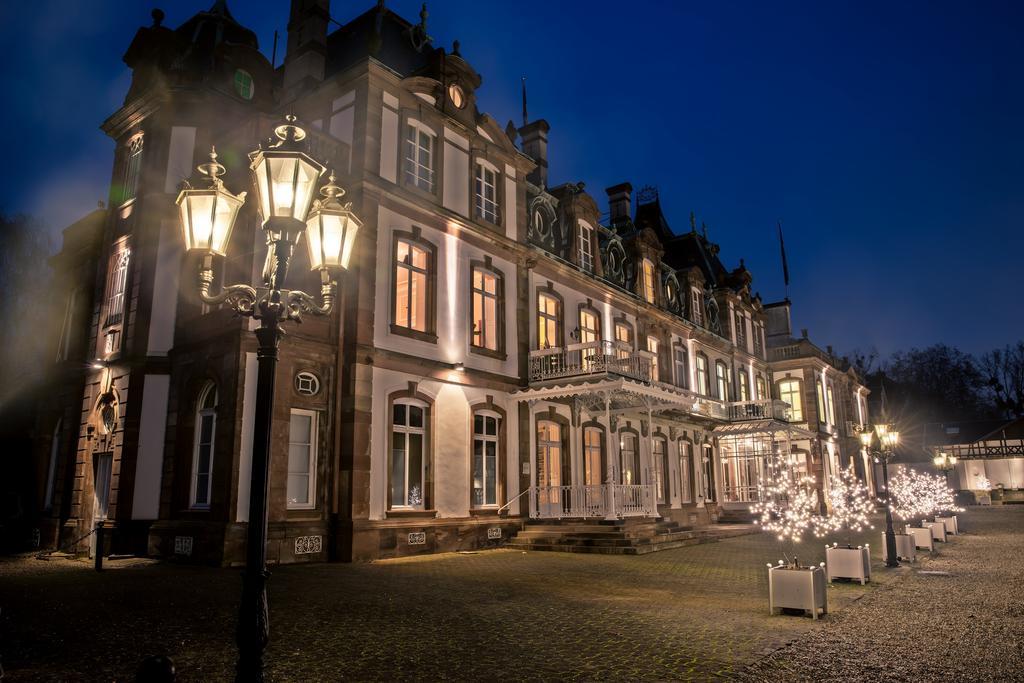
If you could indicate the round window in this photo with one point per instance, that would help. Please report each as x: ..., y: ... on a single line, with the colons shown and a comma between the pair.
x: 307, y: 384
x: 456, y: 95
x: 243, y: 84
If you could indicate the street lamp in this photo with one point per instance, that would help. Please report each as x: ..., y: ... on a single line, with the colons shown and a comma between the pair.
x: 888, y: 439
x: 285, y: 178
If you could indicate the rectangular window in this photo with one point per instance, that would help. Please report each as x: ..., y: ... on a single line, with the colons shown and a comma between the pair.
x: 652, y: 346
x: 831, y: 406
x: 648, y: 273
x: 592, y: 468
x: 822, y: 417
x: 486, y: 193
x: 744, y: 385
x: 485, y: 459
x: 548, y: 321
x: 486, y: 318
x: 741, y: 331
x: 696, y: 307
x: 703, y: 385
x: 117, y: 282
x: 722, y: 381
x: 586, y: 247
x: 623, y: 341
x: 685, y: 468
x: 658, y: 454
x: 301, y: 460
x: 408, y: 437
x: 681, y: 371
x: 758, y: 346
x: 419, y: 158
x: 762, y: 389
x: 203, y: 459
x: 630, y: 459
x: 132, y: 169
x: 789, y: 392
x: 412, y: 270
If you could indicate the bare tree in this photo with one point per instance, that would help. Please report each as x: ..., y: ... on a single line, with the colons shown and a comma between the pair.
x: 1003, y: 370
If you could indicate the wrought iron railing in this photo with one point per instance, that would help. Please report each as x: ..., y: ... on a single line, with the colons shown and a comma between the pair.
x: 589, y: 358
x: 765, y: 409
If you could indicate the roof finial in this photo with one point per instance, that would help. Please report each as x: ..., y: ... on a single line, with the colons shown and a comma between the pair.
x: 525, y: 119
x: 423, y: 18
x: 704, y: 229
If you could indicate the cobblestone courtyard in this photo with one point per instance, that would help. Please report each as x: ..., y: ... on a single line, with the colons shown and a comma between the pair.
x: 690, y: 613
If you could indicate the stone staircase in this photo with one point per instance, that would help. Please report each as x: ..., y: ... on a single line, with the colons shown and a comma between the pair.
x: 632, y: 536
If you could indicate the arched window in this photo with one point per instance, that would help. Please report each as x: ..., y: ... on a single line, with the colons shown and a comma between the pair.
x: 789, y: 392
x: 409, y: 443
x: 202, y: 450
x: 486, y: 456
x: 593, y: 456
x: 648, y: 280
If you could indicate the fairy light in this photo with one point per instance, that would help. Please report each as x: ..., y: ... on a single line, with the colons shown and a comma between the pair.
x: 919, y: 494
x: 984, y: 484
x: 851, y: 505
x: 787, y: 505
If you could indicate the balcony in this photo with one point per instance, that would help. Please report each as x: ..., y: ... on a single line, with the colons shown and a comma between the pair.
x: 602, y: 501
x: 589, y: 359
x: 767, y: 409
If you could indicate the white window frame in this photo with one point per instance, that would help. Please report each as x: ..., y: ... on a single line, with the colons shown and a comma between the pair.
x: 311, y: 460
x: 653, y: 346
x: 681, y: 366
x: 647, y: 270
x: 487, y: 207
x: 117, y: 284
x: 481, y: 294
x: 425, y: 448
x: 485, y: 439
x: 419, y: 165
x: 209, y: 389
x: 696, y: 307
x: 585, y: 246
x: 685, y: 471
x: 797, y: 413
x: 702, y: 370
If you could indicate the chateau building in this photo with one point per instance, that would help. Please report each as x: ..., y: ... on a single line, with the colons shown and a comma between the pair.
x: 500, y: 352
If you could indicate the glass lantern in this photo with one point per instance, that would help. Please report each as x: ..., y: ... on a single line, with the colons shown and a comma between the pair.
x: 331, y: 229
x: 286, y: 177
x: 207, y: 215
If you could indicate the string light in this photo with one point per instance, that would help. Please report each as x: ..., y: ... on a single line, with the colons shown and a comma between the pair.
x: 919, y: 494
x: 787, y: 504
x: 851, y: 505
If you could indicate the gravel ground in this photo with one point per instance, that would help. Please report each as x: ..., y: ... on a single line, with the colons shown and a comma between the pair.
x: 696, y: 613
x: 967, y: 626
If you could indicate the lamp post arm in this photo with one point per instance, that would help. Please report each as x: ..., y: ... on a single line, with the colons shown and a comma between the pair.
x: 242, y: 298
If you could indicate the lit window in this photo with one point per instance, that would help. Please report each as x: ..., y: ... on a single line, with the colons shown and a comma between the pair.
x: 243, y: 84
x: 419, y: 157
x: 762, y: 389
x: 301, y: 459
x: 623, y: 340
x: 485, y: 459
x: 486, y: 319
x: 586, y: 247
x: 412, y: 271
x: 592, y: 451
x: 549, y: 320
x: 648, y: 284
x: 408, y: 450
x: 681, y: 371
x: 652, y: 347
x: 703, y: 380
x: 202, y: 450
x: 821, y: 403
x: 744, y: 385
x: 117, y: 281
x: 660, y: 455
x: 831, y: 406
x: 722, y: 380
x: 590, y: 326
x: 789, y: 392
x: 486, y: 193
x: 630, y: 459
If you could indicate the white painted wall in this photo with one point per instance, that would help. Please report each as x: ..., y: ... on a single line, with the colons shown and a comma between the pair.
x: 149, y: 462
x: 165, y: 290
x: 180, y: 157
x: 455, y: 188
x: 389, y: 139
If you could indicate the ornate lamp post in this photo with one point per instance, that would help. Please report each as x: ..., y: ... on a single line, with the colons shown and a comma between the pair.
x: 888, y: 439
x: 285, y: 178
x: 944, y: 462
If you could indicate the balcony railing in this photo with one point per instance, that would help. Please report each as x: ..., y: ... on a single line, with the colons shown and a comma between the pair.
x: 590, y: 358
x: 766, y: 409
x: 576, y: 502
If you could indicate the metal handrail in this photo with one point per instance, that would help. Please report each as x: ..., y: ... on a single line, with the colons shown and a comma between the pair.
x: 521, y: 494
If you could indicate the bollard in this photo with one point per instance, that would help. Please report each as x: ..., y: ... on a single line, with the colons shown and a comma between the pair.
x: 99, y: 547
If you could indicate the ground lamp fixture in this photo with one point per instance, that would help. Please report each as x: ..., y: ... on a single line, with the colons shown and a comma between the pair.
x: 286, y: 180
x: 888, y: 439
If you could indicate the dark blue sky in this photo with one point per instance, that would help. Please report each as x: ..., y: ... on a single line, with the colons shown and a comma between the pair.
x: 888, y: 137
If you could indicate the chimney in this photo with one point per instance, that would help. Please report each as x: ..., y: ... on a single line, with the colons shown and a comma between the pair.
x: 803, y: 333
x: 306, y: 53
x: 779, y: 323
x: 619, y: 202
x: 535, y: 146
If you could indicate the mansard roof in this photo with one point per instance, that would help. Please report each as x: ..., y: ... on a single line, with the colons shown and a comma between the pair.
x: 384, y: 35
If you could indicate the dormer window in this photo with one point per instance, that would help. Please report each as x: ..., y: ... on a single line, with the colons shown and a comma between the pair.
x: 420, y: 143
x: 132, y: 169
x: 486, y: 192
x: 243, y: 84
x: 648, y: 280
x: 457, y: 95
x: 696, y: 307
x: 586, y: 247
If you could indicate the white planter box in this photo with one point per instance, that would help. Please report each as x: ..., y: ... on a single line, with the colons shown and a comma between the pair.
x: 848, y: 563
x: 983, y: 498
x: 950, y: 523
x: 802, y: 588
x: 922, y: 538
x: 906, y: 549
x: 938, y: 530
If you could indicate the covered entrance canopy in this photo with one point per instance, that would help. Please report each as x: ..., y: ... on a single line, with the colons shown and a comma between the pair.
x: 745, y: 450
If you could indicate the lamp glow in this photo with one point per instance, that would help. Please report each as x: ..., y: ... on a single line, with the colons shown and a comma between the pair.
x: 331, y: 229
x: 208, y: 215
x: 285, y: 177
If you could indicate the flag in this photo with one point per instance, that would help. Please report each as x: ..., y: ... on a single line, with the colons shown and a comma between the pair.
x: 782, y: 247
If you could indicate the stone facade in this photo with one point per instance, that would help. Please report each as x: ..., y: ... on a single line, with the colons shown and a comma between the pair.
x: 498, y: 352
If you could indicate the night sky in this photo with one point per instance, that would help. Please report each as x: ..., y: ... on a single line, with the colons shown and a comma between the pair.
x: 886, y: 136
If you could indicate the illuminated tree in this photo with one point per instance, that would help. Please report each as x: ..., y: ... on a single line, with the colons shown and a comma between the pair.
x: 919, y: 494
x: 850, y: 505
x: 787, y: 504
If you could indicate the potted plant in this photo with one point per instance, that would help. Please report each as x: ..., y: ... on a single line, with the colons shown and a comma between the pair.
x: 850, y: 506
x: 787, y: 508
